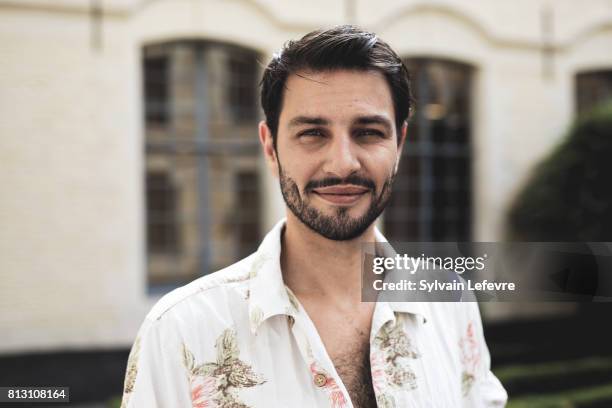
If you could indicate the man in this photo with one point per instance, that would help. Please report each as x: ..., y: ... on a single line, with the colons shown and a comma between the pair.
x: 286, y: 327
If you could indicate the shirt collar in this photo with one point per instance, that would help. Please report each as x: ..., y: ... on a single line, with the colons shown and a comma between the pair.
x: 268, y: 295
x: 420, y: 309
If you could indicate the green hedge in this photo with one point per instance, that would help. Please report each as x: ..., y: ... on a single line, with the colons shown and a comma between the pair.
x: 569, y: 195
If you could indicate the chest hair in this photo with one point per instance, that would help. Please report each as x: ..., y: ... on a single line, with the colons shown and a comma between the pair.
x: 353, y: 367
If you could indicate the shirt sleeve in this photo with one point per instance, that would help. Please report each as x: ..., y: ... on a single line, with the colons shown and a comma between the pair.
x: 480, y: 386
x: 155, y: 376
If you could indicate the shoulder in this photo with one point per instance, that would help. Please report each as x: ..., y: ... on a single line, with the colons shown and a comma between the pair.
x: 454, y: 318
x: 211, y: 293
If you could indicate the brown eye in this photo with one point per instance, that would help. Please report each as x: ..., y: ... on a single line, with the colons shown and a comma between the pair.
x: 311, y: 132
x: 370, y: 133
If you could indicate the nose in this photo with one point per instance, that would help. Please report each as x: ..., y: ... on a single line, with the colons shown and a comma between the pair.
x: 342, y: 157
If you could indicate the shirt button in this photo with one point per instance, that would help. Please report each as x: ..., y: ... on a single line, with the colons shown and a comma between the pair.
x: 320, y: 379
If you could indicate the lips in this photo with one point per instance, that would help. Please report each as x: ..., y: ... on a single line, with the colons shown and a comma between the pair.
x: 341, y: 195
x: 341, y: 190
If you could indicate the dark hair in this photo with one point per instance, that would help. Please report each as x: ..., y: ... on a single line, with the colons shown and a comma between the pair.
x: 341, y: 47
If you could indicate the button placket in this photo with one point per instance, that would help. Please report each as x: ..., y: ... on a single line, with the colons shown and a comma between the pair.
x: 321, y: 368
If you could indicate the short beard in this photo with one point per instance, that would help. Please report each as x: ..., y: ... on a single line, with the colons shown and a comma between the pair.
x: 338, y: 227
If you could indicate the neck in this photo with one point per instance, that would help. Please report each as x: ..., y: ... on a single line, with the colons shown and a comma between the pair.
x: 319, y: 268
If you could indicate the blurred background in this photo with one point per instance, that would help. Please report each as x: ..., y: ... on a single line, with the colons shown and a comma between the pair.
x: 130, y: 164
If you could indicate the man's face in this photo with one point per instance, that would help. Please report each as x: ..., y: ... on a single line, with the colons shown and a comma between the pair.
x: 337, y: 150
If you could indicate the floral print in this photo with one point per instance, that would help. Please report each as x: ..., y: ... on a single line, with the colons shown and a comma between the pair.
x: 470, y: 358
x: 201, y: 389
x: 131, y: 372
x: 393, y: 342
x: 214, y: 384
x: 293, y: 300
x: 379, y: 379
x: 214, y: 308
x: 331, y: 387
x: 259, y: 261
x: 255, y: 317
x: 390, y: 345
x: 236, y: 279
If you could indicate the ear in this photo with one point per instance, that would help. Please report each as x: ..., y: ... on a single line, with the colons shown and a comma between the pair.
x: 267, y: 144
x: 400, y: 147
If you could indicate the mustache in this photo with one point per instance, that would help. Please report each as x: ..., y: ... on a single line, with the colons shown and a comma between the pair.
x: 333, y: 181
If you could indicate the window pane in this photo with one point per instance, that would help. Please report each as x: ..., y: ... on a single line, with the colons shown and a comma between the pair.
x: 242, y: 91
x: 156, y: 90
x: 201, y: 165
x: 433, y: 187
x: 593, y: 88
x: 162, y: 237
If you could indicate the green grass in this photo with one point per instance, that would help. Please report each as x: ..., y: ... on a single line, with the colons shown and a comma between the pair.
x: 564, y: 399
x: 114, y: 402
x: 534, y: 371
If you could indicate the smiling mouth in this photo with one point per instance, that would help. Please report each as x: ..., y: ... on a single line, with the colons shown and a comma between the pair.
x: 341, y: 195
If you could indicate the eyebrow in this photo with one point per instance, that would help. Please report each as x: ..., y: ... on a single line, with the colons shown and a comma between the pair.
x: 361, y: 120
x: 308, y: 120
x: 374, y: 120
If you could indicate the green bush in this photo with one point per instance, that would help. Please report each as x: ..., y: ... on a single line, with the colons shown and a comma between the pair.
x: 569, y: 195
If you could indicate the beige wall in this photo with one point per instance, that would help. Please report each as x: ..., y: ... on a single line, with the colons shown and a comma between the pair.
x: 71, y: 139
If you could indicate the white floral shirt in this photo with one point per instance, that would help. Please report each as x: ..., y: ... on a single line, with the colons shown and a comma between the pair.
x: 240, y: 338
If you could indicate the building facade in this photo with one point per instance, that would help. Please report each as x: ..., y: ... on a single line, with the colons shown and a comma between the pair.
x: 129, y: 152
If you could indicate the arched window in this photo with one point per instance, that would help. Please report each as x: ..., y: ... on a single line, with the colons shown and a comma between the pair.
x: 202, y: 192
x: 593, y: 88
x: 432, y: 194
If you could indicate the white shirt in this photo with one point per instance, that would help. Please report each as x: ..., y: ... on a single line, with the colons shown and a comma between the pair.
x: 240, y: 338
